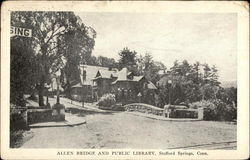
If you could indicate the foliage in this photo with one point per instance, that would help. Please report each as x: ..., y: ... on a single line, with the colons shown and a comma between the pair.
x: 128, y: 59
x: 55, y: 36
x: 216, y: 109
x: 17, y: 119
x: 141, y: 65
x: 107, y: 100
x: 17, y: 126
x: 197, y: 84
x: 189, y: 83
x: 149, y: 68
x: 228, y: 95
x: 16, y: 138
x: 23, y: 70
x: 76, y: 45
x: 102, y: 61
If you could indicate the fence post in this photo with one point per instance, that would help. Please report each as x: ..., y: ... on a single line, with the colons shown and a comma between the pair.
x: 200, y: 113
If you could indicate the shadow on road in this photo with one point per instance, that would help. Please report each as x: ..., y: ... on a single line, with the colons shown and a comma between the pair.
x: 83, y: 112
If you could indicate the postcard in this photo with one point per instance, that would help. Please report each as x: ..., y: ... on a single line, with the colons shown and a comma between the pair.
x: 124, y: 80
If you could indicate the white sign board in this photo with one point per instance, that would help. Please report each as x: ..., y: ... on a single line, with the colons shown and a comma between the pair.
x: 20, y: 31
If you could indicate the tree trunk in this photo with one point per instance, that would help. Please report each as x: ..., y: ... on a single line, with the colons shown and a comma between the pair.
x: 41, y: 93
x: 67, y: 90
x: 57, y: 91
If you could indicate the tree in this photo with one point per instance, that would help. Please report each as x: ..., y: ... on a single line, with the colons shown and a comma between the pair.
x: 196, y: 73
x: 128, y: 59
x: 228, y: 95
x: 106, y: 62
x: 75, y: 53
x: 149, y: 68
x: 102, y: 61
x: 190, y: 83
x: 210, y: 75
x: 93, y: 61
x: 23, y: 71
x: 214, y: 76
x: 47, y: 31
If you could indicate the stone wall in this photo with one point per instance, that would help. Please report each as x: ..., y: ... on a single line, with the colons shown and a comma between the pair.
x: 170, y: 111
x: 184, y: 113
x: 39, y: 115
x: 180, y: 111
x: 144, y: 108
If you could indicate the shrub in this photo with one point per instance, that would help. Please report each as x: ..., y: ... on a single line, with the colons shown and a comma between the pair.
x: 17, y: 126
x: 17, y: 119
x: 216, y: 109
x: 107, y: 100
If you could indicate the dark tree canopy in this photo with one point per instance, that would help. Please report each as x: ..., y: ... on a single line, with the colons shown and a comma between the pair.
x: 55, y: 35
x: 127, y: 58
x: 23, y: 71
x: 191, y: 82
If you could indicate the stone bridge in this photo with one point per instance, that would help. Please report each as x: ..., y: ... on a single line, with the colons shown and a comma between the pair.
x: 169, y: 111
x: 144, y: 108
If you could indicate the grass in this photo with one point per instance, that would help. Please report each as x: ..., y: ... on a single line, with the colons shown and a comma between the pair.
x: 19, y: 137
x: 16, y: 138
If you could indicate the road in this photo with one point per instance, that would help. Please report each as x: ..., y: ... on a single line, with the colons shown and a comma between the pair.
x: 124, y: 130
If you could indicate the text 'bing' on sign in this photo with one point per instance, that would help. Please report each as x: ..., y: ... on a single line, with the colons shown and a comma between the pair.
x: 20, y: 31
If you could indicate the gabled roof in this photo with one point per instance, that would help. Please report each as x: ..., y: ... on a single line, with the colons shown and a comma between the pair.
x: 151, y: 85
x: 106, y: 73
x: 163, y: 81
x: 90, y: 73
x: 129, y: 73
x: 123, y: 74
x: 77, y: 85
x: 114, y: 74
x: 137, y: 78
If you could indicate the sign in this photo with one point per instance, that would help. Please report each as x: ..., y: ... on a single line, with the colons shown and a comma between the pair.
x: 20, y: 31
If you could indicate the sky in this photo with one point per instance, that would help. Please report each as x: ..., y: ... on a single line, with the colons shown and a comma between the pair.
x: 205, y: 37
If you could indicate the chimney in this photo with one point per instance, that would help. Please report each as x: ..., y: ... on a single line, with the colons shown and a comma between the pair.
x: 123, y: 74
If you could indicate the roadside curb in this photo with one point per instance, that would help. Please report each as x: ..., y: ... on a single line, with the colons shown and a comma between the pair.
x: 70, y: 121
x: 66, y: 124
x: 162, y: 118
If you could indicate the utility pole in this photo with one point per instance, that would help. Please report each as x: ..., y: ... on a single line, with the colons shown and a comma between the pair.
x: 83, y: 79
x: 57, y: 91
x: 58, y: 110
x: 169, y: 93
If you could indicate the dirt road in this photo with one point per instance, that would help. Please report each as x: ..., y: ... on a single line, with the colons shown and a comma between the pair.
x: 124, y: 130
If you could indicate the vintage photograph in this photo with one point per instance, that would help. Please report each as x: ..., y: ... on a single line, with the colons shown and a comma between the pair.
x: 115, y: 80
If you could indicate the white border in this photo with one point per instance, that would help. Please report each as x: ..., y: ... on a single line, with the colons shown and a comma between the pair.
x: 242, y: 10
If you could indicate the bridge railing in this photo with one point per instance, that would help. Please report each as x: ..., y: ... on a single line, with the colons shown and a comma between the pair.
x: 144, y: 108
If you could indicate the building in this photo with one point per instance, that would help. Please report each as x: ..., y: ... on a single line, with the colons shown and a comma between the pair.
x: 102, y: 82
x: 127, y: 87
x: 84, y: 89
